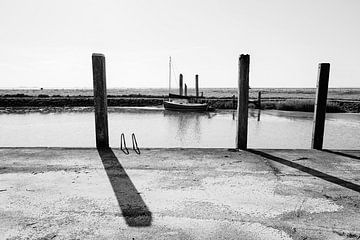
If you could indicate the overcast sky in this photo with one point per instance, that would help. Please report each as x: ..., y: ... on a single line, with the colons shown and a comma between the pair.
x: 48, y: 43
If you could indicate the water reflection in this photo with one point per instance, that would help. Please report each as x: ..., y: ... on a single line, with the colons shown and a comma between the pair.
x: 188, y: 123
x: 155, y: 127
x: 291, y: 115
x: 252, y: 113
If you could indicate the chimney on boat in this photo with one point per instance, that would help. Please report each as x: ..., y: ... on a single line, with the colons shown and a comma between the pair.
x: 185, y: 89
x: 181, y: 85
x: 197, y: 85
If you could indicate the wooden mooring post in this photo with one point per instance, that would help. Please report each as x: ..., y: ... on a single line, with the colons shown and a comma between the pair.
x: 259, y: 100
x: 181, y: 85
x: 259, y: 105
x: 320, y: 106
x: 243, y: 99
x: 185, y: 89
x: 197, y: 85
x: 233, y: 101
x: 100, y: 101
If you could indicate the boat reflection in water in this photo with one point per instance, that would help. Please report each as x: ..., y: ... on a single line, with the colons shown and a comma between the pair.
x: 187, y: 124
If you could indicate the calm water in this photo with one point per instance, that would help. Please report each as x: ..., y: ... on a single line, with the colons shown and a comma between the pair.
x: 158, y: 128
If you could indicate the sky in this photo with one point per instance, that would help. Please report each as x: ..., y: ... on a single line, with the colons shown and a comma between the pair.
x: 49, y: 43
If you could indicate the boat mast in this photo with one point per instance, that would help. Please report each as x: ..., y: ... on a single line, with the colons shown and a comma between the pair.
x: 169, y: 75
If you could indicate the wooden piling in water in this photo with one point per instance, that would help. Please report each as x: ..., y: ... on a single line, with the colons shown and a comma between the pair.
x: 259, y: 100
x: 320, y: 106
x: 100, y: 101
x: 259, y: 105
x: 233, y: 102
x: 185, y: 89
x: 243, y: 100
x: 197, y: 85
x: 181, y: 85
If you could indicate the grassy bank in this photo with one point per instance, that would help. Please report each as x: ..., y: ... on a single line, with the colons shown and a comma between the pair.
x: 292, y: 105
x: 301, y: 105
x: 137, y: 100
x: 55, y: 101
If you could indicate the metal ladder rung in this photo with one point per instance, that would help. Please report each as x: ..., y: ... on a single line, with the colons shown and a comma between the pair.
x: 135, y: 144
x: 124, y: 149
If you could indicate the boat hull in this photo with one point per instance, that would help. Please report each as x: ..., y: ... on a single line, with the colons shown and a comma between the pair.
x: 193, y: 107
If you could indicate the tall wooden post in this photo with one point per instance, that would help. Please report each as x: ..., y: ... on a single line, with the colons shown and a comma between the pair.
x: 259, y: 99
x: 243, y: 99
x: 185, y: 89
x: 181, y: 85
x: 100, y: 101
x: 320, y: 106
x: 233, y: 102
x: 259, y: 105
x: 197, y: 85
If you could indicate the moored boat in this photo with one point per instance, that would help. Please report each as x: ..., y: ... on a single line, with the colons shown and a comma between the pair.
x: 185, y: 106
x: 183, y: 103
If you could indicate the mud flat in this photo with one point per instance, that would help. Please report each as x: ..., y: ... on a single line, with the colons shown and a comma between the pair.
x: 65, y: 193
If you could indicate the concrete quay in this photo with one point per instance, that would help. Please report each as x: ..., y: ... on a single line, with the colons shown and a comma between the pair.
x: 62, y: 193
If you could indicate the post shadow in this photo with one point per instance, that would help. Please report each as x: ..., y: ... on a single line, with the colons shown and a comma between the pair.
x: 308, y: 170
x: 132, y: 206
x: 341, y: 154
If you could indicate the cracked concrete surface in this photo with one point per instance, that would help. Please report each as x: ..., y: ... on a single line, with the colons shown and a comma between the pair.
x: 62, y: 193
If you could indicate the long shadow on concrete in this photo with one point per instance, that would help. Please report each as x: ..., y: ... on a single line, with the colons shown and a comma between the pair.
x: 342, y: 154
x: 133, y: 207
x: 308, y: 170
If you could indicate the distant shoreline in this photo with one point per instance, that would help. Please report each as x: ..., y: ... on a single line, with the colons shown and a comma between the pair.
x: 339, y: 100
x: 11, y: 104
